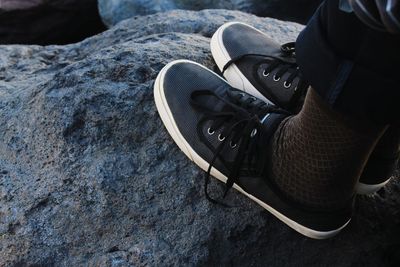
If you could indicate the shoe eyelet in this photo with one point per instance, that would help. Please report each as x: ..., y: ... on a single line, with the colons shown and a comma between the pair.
x: 265, y: 74
x: 232, y: 144
x: 276, y: 79
x: 210, y: 132
x: 242, y: 94
x: 287, y: 85
x: 220, y: 138
x: 253, y: 98
x: 253, y: 133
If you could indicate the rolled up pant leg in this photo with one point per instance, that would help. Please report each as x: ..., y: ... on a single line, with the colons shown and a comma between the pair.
x: 354, y: 68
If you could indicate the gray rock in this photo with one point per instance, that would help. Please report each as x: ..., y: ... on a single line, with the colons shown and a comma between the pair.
x: 114, y: 11
x: 90, y: 177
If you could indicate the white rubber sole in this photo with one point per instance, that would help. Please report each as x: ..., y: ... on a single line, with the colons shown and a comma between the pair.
x: 170, y: 124
x: 232, y: 74
x: 236, y: 79
x: 367, y: 189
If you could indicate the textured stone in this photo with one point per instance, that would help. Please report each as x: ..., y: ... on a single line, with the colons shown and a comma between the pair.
x: 114, y: 11
x: 90, y: 177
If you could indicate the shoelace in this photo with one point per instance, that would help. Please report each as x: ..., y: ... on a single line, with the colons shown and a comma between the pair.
x: 288, y: 50
x: 242, y: 128
x: 249, y: 102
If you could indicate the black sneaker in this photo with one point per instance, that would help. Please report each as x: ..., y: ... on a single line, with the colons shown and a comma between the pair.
x: 256, y: 64
x: 219, y: 128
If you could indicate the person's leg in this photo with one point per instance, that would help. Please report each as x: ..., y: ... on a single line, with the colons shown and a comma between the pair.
x: 318, y: 155
x: 332, y: 36
x: 352, y: 67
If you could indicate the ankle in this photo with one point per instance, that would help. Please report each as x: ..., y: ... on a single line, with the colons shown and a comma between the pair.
x: 318, y: 155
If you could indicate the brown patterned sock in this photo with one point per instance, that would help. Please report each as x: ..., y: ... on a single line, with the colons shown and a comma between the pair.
x: 318, y: 155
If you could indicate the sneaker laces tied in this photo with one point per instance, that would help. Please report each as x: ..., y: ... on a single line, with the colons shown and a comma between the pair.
x: 288, y: 50
x: 241, y: 128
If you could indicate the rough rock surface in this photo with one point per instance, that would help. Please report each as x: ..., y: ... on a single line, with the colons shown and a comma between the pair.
x: 114, y: 11
x: 90, y: 177
x: 48, y: 22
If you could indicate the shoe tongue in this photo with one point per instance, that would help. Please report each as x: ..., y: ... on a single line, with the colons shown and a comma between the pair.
x: 213, y: 102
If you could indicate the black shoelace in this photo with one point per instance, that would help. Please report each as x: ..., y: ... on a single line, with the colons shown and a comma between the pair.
x: 288, y: 50
x: 239, y: 120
